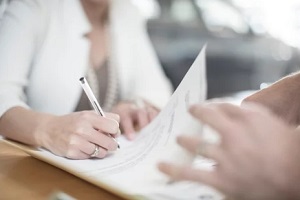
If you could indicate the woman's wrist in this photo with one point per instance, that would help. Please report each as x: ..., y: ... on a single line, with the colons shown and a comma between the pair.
x: 42, y: 130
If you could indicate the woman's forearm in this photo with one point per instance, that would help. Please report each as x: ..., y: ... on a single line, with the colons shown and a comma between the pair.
x: 22, y: 125
x: 75, y: 135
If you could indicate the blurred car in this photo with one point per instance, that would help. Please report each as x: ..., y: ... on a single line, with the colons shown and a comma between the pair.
x: 237, y: 57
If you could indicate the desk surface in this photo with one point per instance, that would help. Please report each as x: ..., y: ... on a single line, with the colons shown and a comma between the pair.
x: 24, y: 177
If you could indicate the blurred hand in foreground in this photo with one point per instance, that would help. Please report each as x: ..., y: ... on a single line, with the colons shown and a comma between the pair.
x: 282, y: 97
x: 258, y: 157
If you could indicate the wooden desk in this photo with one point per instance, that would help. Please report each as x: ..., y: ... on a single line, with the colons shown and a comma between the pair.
x: 24, y: 177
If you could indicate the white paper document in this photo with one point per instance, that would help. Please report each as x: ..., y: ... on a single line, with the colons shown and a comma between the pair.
x: 132, y: 170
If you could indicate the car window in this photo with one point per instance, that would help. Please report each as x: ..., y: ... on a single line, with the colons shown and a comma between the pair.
x: 229, y: 20
x: 179, y: 12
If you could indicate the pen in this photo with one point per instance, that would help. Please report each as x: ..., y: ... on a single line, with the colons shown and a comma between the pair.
x: 88, y: 91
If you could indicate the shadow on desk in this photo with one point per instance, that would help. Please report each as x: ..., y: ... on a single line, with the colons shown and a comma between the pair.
x: 24, y: 177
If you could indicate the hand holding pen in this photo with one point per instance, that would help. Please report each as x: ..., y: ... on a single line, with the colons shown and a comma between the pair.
x: 96, y: 107
x: 78, y: 135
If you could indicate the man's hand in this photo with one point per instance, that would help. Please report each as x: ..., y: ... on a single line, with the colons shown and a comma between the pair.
x: 258, y: 157
x: 283, y: 98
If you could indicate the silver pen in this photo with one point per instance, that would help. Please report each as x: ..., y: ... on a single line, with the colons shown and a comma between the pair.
x: 88, y: 91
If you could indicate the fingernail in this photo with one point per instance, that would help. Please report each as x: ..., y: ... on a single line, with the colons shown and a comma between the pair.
x: 131, y: 136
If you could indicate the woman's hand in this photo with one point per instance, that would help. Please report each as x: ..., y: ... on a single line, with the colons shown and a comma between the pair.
x: 134, y: 116
x: 258, y: 157
x: 77, y: 135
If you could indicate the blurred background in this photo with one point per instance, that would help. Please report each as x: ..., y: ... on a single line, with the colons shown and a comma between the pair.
x: 250, y: 42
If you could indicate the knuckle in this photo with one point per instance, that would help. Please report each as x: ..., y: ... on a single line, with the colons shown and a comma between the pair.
x: 78, y: 124
x: 79, y: 130
x: 70, y: 153
x: 113, y: 126
x: 84, y: 115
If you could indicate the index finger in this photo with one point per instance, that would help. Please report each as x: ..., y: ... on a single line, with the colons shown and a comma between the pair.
x: 177, y: 172
x: 127, y: 126
x: 194, y: 144
x: 142, y: 118
x: 214, y: 118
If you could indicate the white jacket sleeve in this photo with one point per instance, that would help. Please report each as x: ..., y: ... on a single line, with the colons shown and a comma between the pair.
x: 18, y: 43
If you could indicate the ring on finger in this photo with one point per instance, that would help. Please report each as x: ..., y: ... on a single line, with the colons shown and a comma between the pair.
x: 96, y: 152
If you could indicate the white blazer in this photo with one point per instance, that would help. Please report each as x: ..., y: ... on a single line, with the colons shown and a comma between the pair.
x: 43, y: 54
